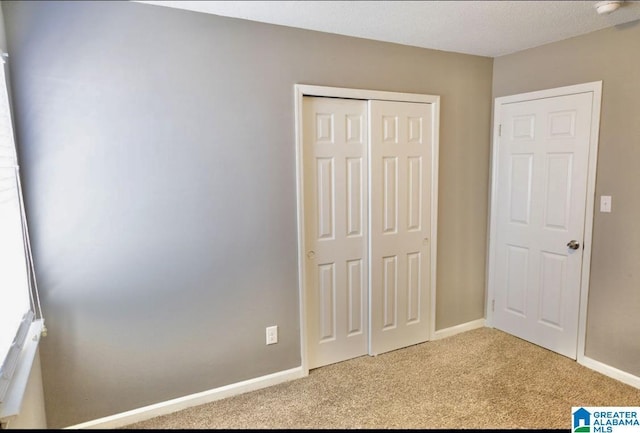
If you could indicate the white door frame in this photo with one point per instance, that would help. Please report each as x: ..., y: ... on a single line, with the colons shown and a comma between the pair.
x: 595, y: 88
x: 301, y: 90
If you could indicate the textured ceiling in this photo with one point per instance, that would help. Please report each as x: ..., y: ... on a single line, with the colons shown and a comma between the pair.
x: 485, y: 28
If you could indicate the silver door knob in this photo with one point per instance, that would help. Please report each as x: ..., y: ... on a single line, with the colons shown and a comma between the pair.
x: 574, y: 245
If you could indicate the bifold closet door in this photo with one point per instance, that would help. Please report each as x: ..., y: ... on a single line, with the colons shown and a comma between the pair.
x: 400, y: 167
x: 335, y: 229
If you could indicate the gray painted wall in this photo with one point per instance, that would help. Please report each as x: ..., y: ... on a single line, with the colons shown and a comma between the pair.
x: 610, y: 55
x: 159, y: 171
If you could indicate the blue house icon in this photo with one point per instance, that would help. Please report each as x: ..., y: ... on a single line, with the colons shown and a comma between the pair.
x: 581, y: 418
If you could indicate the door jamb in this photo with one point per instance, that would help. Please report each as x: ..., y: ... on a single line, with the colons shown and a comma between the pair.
x: 595, y: 88
x: 301, y: 90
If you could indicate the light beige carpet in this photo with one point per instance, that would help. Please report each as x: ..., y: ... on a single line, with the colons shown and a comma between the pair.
x: 481, y: 379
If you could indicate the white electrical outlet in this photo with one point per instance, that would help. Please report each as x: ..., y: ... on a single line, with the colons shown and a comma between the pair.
x: 272, y: 334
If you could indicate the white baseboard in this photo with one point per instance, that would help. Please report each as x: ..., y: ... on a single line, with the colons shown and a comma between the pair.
x: 170, y: 406
x: 612, y: 372
x: 463, y: 327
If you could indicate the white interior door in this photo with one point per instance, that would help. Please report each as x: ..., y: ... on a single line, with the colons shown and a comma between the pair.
x: 335, y: 214
x: 400, y: 168
x: 541, y: 175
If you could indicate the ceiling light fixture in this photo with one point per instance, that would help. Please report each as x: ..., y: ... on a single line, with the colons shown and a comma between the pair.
x: 607, y: 6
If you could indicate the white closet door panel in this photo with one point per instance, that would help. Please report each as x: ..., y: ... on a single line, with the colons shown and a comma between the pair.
x: 335, y: 203
x: 400, y: 158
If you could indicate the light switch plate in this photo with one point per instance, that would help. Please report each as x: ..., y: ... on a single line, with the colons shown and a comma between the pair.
x: 605, y: 203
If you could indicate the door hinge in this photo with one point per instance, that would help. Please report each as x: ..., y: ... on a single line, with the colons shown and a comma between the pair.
x: 493, y: 305
x: 500, y: 130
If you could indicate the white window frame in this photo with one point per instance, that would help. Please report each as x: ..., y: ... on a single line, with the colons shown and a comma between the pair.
x: 15, y: 366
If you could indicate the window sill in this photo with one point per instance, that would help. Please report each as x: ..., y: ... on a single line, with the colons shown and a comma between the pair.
x: 15, y: 393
